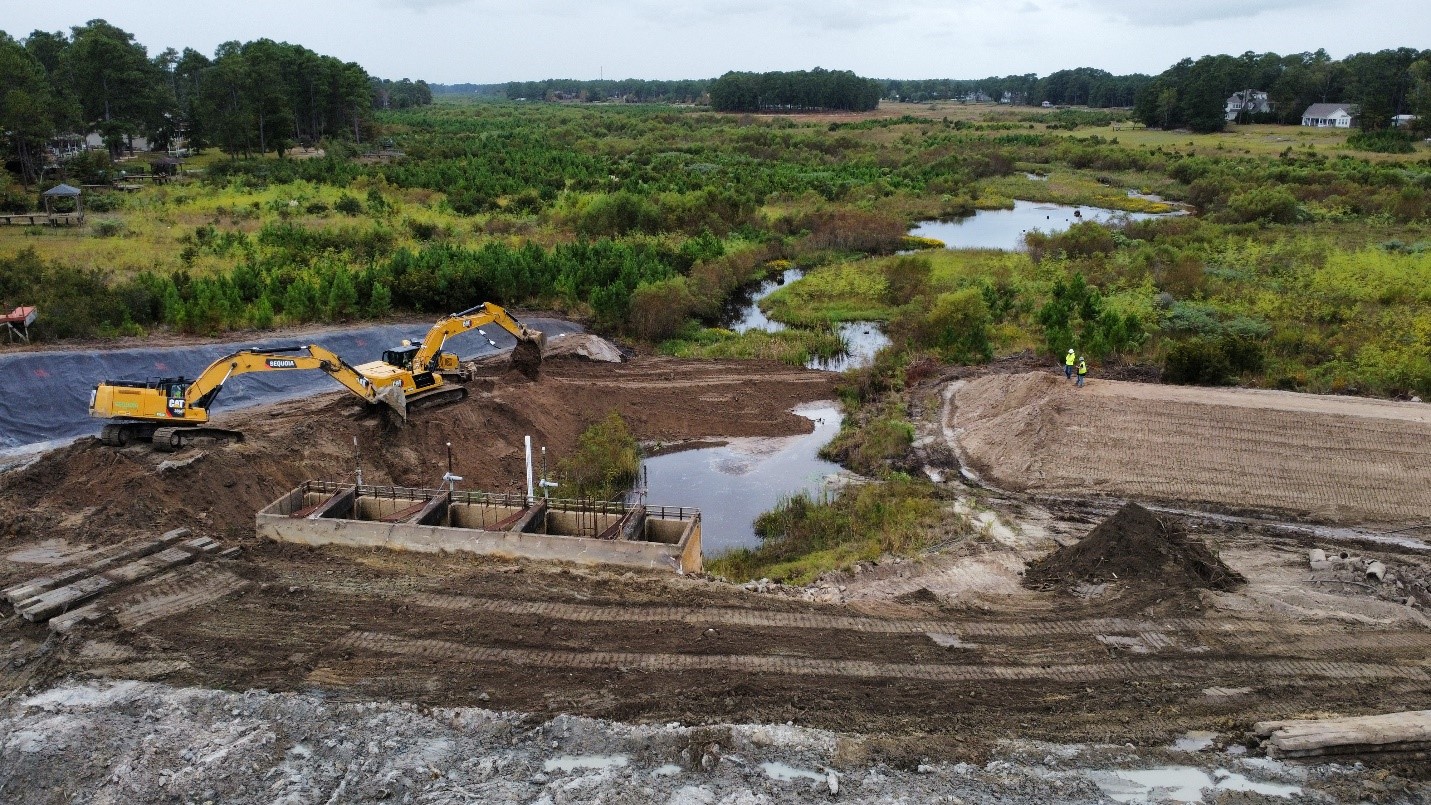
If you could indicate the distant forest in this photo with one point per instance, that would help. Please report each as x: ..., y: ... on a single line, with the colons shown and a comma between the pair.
x: 249, y: 98
x: 1190, y: 94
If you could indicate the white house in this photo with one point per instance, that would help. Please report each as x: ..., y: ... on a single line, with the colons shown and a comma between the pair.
x: 1252, y: 101
x: 1402, y: 121
x: 1330, y: 115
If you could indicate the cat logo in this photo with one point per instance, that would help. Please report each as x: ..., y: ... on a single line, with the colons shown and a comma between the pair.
x: 176, y: 406
x: 282, y: 363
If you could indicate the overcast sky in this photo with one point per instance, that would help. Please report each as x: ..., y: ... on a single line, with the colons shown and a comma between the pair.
x: 490, y: 41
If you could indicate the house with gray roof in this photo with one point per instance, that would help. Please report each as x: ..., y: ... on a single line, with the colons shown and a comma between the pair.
x: 1330, y: 115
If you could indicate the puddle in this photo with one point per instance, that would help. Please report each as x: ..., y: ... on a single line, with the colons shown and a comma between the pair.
x: 572, y: 762
x: 1005, y: 229
x: 786, y: 773
x: 1180, y: 784
x: 668, y: 770
x: 734, y: 483
x: 1195, y: 741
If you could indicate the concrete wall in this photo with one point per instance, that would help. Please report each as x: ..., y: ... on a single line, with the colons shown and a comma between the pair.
x: 669, y: 544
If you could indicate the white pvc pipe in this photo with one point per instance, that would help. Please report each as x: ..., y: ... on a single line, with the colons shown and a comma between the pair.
x: 531, y: 493
x: 1376, y: 570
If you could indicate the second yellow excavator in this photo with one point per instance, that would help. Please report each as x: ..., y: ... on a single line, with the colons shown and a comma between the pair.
x: 421, y: 370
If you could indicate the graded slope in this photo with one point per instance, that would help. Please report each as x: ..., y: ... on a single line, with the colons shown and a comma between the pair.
x: 1323, y: 458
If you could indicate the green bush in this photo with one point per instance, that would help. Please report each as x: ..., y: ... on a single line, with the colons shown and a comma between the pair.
x: 806, y: 535
x: 1386, y: 141
x: 605, y: 463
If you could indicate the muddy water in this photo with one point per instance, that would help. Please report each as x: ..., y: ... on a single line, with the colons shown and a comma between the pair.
x: 1005, y: 229
x: 734, y: 483
x: 744, y: 313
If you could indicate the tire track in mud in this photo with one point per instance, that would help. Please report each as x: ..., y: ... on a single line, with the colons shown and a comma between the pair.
x: 445, y: 651
x: 1241, y: 631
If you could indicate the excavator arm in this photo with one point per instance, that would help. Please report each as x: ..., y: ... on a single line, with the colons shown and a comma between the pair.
x: 210, y: 382
x: 181, y: 402
x: 429, y: 353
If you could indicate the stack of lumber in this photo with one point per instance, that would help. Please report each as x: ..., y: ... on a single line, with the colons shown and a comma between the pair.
x: 1392, y: 732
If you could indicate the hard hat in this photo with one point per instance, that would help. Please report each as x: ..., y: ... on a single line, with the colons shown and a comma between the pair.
x: 1070, y: 351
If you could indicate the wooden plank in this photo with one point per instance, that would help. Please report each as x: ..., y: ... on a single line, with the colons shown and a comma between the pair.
x: 29, y: 589
x: 1406, y: 731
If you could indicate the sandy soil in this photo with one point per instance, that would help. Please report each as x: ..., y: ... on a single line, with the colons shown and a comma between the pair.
x: 1326, y: 459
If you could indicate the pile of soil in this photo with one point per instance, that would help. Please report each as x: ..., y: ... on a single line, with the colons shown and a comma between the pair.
x: 1134, y: 546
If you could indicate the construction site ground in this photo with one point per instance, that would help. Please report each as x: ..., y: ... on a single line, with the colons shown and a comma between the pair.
x: 901, y: 669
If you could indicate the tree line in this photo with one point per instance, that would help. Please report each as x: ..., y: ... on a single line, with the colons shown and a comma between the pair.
x: 792, y: 91
x: 249, y: 98
x: 1082, y: 86
x: 634, y: 90
x: 1193, y: 94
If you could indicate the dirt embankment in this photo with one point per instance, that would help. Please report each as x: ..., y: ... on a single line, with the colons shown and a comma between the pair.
x: 1329, y: 459
x: 87, y: 492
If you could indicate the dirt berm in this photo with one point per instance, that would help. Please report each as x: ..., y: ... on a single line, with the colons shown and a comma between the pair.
x: 1134, y: 546
x: 1329, y: 459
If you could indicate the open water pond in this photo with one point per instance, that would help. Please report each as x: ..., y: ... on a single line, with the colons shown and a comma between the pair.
x: 1005, y: 229
x: 736, y: 482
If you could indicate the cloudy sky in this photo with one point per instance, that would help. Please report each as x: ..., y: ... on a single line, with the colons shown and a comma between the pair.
x: 489, y: 41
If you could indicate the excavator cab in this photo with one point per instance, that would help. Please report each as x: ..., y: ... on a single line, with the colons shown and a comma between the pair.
x: 401, y: 357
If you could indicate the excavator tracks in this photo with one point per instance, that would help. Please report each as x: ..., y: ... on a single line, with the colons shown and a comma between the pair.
x: 446, y: 394
x: 167, y: 440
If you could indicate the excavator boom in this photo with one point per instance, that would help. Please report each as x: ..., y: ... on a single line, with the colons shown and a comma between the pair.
x: 431, y: 357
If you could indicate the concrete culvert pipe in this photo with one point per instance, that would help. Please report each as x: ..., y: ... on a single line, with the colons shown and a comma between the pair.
x: 1376, y: 570
x: 1317, y: 558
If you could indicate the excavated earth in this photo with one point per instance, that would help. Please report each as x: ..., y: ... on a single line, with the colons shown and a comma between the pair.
x: 927, y: 661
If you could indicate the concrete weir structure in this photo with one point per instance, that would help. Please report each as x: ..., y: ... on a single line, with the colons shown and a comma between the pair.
x: 432, y: 520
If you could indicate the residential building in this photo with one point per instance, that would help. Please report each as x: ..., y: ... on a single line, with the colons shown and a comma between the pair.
x: 1250, y: 102
x: 1330, y: 115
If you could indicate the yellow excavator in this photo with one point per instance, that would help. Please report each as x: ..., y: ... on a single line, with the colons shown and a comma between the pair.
x: 424, y: 371
x: 171, y: 411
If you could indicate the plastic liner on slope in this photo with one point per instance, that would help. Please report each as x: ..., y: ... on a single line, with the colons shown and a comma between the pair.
x: 1134, y: 546
x: 44, y: 395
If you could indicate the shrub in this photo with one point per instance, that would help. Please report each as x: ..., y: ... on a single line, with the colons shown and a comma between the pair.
x: 348, y: 205
x: 605, y: 463
x: 1386, y: 141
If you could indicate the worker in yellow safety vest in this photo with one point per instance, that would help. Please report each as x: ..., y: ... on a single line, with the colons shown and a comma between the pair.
x: 1082, y: 370
x: 1068, y: 361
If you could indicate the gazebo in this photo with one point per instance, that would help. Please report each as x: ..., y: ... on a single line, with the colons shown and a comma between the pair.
x: 63, y: 191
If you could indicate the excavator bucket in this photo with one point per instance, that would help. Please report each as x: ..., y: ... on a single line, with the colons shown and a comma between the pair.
x: 527, y: 356
x: 392, y: 397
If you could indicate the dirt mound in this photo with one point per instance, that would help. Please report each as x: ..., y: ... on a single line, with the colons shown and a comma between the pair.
x: 1235, y: 449
x: 582, y: 346
x: 1137, y: 547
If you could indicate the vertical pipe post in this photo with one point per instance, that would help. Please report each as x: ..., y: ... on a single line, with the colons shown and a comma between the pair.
x: 531, y: 493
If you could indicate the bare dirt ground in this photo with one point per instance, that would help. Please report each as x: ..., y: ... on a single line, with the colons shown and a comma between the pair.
x: 1325, y: 459
x: 937, y: 660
